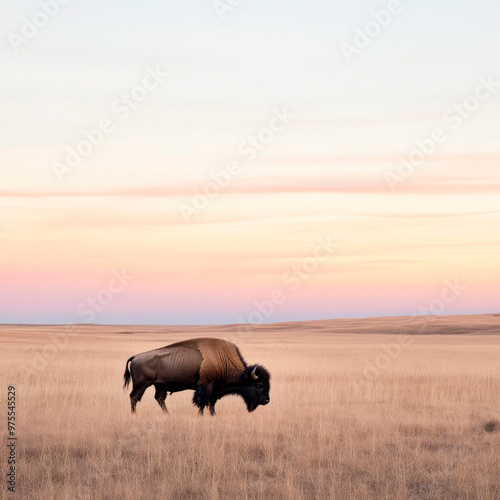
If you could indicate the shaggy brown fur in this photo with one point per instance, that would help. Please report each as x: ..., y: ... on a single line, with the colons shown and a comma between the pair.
x: 221, y: 359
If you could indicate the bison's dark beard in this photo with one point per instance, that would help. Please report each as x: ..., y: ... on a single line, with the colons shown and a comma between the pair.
x: 240, y: 389
x: 249, y: 401
x: 251, y: 406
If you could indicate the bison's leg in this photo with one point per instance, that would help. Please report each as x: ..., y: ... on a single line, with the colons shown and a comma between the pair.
x: 136, y: 395
x: 202, y: 397
x: 160, y: 395
x: 212, y: 408
x: 199, y: 399
x: 211, y: 398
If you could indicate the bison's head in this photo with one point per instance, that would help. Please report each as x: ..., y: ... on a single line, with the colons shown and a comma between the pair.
x: 255, y: 386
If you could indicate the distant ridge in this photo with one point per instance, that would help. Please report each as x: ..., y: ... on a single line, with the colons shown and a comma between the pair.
x: 467, y: 324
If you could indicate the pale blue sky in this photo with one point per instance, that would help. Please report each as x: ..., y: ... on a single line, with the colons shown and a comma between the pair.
x: 225, y: 76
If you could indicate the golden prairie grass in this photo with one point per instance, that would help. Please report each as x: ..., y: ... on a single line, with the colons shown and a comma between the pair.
x: 415, y: 431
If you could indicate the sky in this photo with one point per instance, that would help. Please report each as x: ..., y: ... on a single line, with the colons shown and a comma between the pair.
x: 210, y: 162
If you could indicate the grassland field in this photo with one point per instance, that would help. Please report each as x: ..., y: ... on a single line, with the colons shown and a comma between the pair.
x: 360, y: 409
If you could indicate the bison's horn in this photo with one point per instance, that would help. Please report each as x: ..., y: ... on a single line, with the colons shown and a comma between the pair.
x: 254, y: 375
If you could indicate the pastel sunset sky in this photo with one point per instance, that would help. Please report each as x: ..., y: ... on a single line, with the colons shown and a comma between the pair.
x: 386, y: 145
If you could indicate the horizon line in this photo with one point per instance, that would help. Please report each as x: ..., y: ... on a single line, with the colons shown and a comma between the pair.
x: 254, y: 324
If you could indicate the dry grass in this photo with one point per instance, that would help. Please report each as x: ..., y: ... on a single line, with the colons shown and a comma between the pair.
x: 425, y: 428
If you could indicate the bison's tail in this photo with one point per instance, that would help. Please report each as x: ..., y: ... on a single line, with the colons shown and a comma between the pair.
x: 126, y: 375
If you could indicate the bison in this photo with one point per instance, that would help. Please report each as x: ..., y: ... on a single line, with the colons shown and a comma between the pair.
x: 213, y: 368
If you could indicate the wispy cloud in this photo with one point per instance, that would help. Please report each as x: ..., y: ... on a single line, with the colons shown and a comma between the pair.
x: 297, y: 186
x: 426, y: 215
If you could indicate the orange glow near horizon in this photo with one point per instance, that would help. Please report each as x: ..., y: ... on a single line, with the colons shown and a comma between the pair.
x: 394, y: 254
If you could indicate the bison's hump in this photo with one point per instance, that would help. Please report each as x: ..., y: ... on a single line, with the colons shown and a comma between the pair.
x: 220, y: 357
